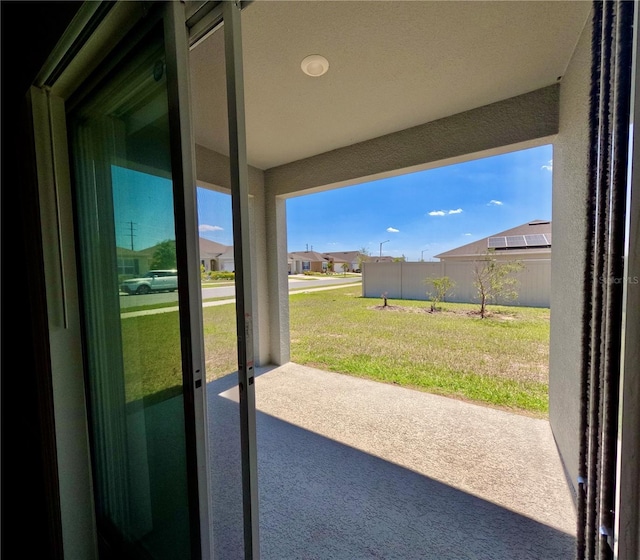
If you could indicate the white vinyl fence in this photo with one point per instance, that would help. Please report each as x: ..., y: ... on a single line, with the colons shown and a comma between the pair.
x: 406, y: 280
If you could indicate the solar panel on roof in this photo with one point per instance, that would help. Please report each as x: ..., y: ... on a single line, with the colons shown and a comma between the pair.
x: 536, y: 240
x: 516, y: 241
x: 497, y: 242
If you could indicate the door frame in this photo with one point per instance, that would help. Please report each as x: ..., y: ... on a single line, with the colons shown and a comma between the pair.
x: 93, y: 33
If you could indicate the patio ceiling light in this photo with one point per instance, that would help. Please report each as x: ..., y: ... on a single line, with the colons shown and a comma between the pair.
x: 315, y: 65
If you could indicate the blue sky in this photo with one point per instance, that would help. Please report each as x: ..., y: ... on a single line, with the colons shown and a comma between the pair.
x: 418, y: 215
x: 143, y: 208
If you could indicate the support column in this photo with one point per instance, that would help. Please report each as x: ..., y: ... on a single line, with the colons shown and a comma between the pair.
x: 277, y: 277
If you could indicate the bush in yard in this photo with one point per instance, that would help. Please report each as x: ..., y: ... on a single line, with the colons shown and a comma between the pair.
x: 442, y: 286
x: 494, y: 280
x: 203, y: 273
x: 222, y: 275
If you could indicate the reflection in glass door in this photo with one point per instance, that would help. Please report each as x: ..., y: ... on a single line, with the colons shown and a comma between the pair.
x: 134, y: 341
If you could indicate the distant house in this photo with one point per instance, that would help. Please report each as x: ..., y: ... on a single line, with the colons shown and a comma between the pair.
x: 527, y: 241
x: 216, y: 256
x: 134, y: 263
x: 302, y: 261
x: 130, y: 263
x: 213, y: 256
x: 353, y: 258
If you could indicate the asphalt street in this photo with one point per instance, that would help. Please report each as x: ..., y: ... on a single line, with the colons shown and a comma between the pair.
x: 229, y: 291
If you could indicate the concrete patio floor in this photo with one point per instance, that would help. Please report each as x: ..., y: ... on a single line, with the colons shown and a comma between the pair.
x: 352, y: 469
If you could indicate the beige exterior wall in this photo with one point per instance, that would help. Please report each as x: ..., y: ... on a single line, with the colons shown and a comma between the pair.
x: 570, y: 164
x: 407, y: 281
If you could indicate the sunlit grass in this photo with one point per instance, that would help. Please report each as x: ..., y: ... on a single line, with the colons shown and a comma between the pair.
x: 500, y: 361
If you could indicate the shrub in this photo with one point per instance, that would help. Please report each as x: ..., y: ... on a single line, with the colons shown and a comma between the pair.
x: 442, y: 286
x: 222, y: 275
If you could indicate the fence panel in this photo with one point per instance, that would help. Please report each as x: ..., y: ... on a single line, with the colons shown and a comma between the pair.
x: 384, y: 277
x: 407, y: 281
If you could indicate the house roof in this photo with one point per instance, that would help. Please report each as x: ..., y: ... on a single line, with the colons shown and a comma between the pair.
x: 347, y: 256
x: 314, y: 256
x: 212, y: 249
x: 480, y: 247
x: 311, y: 256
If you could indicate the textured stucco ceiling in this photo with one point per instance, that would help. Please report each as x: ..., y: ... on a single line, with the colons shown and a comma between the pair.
x: 393, y: 65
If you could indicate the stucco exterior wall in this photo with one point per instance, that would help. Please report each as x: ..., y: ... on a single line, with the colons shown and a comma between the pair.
x: 570, y: 164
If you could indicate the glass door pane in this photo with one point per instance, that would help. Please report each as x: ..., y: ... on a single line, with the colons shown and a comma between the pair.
x: 134, y: 345
x: 208, y: 74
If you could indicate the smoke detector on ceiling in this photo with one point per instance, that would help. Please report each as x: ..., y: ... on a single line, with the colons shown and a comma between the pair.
x: 315, y: 65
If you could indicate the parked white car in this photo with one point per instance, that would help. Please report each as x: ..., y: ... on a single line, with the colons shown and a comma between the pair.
x: 152, y: 281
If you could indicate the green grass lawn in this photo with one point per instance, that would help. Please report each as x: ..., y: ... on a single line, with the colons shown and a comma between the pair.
x: 499, y: 361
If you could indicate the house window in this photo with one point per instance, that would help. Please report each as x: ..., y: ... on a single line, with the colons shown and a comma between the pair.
x: 128, y: 266
x: 306, y: 265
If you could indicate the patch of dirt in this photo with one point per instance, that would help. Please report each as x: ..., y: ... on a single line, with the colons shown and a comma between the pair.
x: 401, y: 308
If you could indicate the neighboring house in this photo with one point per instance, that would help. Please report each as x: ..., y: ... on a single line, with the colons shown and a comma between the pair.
x: 527, y: 241
x: 215, y: 256
x: 131, y: 263
x: 312, y: 261
x: 382, y: 259
x: 353, y: 258
x: 134, y: 263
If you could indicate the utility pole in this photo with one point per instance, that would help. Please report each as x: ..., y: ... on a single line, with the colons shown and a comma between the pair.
x: 422, y: 255
x: 131, y: 234
x: 387, y: 241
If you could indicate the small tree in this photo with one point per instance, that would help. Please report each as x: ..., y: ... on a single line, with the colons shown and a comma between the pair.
x: 345, y: 268
x: 494, y: 280
x: 330, y: 267
x: 384, y: 299
x: 363, y: 256
x: 442, y: 286
x: 164, y: 255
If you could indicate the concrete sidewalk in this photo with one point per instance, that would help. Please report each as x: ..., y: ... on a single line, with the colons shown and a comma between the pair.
x: 355, y: 469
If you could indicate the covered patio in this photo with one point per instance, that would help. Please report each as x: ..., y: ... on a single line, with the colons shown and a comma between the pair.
x: 354, y: 469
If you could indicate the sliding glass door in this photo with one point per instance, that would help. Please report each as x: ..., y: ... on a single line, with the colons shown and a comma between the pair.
x: 117, y: 188
x: 120, y: 141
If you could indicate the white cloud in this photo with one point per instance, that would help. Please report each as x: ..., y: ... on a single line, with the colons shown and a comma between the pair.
x: 392, y: 230
x: 443, y: 213
x: 205, y: 227
x: 467, y: 234
x: 549, y: 166
x: 494, y: 203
